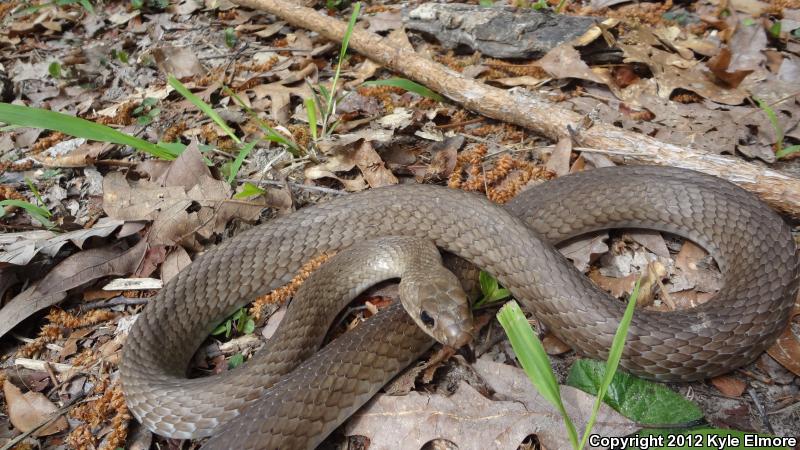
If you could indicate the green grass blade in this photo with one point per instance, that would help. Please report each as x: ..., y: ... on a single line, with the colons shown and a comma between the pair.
x: 533, y: 358
x: 408, y: 85
x: 38, y: 213
x: 773, y: 120
x: 342, y: 52
x: 237, y: 163
x: 269, y: 133
x: 614, y: 355
x: 202, y: 106
x: 311, y: 112
x: 25, y: 116
x: 784, y: 152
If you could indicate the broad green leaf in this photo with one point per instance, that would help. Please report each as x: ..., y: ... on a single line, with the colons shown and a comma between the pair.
x: 249, y: 326
x: 637, y: 399
x: 202, y: 106
x: 249, y: 190
x: 408, y: 85
x: 533, y: 358
x: 235, y: 361
x: 75, y: 126
x: 220, y: 328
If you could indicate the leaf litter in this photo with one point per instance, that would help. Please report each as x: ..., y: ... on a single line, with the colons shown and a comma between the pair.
x: 688, y: 75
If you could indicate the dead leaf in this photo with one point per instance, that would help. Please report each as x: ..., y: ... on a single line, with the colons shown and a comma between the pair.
x: 559, y: 159
x: 373, y: 167
x: 719, y: 67
x: 472, y: 421
x: 565, y: 62
x: 729, y: 385
x: 176, y: 260
x: 72, y: 272
x: 29, y: 410
x: 582, y: 251
x: 180, y: 62
x: 786, y: 350
x: 20, y: 248
x: 554, y: 346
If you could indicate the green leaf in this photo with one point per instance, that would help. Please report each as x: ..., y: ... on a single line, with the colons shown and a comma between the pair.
x: 775, y: 30
x: 748, y: 22
x: 235, y: 361
x: 784, y: 152
x: 230, y: 37
x: 40, y: 214
x: 773, y: 120
x: 87, y: 6
x: 488, y: 283
x: 237, y: 163
x: 408, y: 85
x: 539, y: 5
x: 614, y: 355
x: 249, y: 326
x: 486, y: 2
x: 497, y: 295
x: 639, y: 400
x: 269, y: 133
x: 249, y: 190
x: 137, y: 4
x: 202, y: 106
x: 531, y: 355
x: 75, y: 126
x: 220, y: 328
x: 35, y: 191
x: 54, y: 69
x: 311, y: 112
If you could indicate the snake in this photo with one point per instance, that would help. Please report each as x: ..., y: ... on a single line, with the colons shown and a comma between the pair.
x: 278, y: 399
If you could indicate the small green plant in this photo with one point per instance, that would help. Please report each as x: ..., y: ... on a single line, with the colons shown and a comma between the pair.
x: 533, y: 358
x: 249, y: 190
x: 540, y: 5
x: 336, y: 4
x: 408, y: 85
x: 230, y: 37
x: 486, y: 2
x: 146, y: 112
x: 775, y: 30
x: 325, y: 98
x: 240, y: 321
x: 235, y: 361
x: 780, y: 151
x: 491, y: 290
x: 137, y: 4
x: 54, y: 69
x: 120, y: 55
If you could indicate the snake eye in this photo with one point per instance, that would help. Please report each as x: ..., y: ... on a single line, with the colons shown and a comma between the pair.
x: 427, y: 319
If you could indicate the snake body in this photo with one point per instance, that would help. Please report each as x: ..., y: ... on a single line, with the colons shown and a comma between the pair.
x: 751, y: 244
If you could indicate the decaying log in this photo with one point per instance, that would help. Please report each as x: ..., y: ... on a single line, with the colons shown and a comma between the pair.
x: 499, y: 31
x: 779, y: 190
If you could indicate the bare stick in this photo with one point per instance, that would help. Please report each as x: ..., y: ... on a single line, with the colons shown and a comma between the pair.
x: 779, y: 190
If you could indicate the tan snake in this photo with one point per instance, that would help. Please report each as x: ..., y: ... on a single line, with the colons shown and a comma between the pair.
x: 751, y: 244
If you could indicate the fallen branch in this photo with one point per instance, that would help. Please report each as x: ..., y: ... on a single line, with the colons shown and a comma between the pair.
x: 779, y: 190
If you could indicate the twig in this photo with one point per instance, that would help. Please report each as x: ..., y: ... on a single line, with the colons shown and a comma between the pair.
x: 38, y: 364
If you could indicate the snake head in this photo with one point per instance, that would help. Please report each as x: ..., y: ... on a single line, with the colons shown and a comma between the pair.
x: 437, y: 304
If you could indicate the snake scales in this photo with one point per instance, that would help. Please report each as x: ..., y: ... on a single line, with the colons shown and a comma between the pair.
x: 751, y: 244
